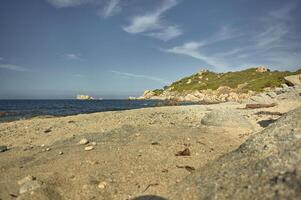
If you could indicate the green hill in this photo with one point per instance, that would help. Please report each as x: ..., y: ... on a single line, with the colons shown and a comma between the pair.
x: 243, y: 81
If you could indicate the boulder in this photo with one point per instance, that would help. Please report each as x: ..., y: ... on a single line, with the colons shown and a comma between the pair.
x: 293, y: 80
x: 191, y: 98
x: 272, y: 94
x: 226, y: 118
x: 262, y: 69
x: 261, y: 99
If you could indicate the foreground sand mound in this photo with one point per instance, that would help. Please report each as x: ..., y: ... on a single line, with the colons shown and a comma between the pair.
x: 266, y: 166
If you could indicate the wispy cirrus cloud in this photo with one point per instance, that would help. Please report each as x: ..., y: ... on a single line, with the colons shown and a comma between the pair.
x: 192, y: 49
x: 151, y: 24
x: 13, y: 68
x: 107, y: 8
x: 273, y: 40
x: 73, y: 56
x: 68, y: 3
x: 111, y: 8
x: 140, y: 76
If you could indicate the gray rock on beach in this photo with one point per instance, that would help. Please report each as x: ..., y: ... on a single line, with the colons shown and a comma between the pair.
x: 226, y: 118
x: 262, y: 99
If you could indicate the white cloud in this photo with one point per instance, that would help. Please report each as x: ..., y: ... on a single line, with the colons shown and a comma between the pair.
x: 131, y: 75
x: 73, y: 56
x: 166, y: 34
x: 151, y: 24
x: 68, y: 3
x: 192, y: 49
x: 13, y: 68
x: 112, y: 7
x: 143, y: 23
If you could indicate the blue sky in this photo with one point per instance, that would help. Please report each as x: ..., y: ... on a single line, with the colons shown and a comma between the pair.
x: 118, y: 48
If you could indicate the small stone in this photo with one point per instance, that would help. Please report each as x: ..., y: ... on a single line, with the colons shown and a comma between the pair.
x: 48, y: 130
x: 48, y: 149
x: 185, y: 152
x: 26, y: 179
x: 89, y: 148
x: 102, y: 185
x: 61, y: 153
x: 94, y: 143
x: 83, y: 141
x: 27, y: 148
x: 3, y: 148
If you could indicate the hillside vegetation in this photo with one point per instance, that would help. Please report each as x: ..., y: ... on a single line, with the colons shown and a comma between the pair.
x: 249, y: 79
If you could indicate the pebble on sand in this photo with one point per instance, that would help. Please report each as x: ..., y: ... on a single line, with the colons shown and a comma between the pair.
x: 102, y: 185
x: 83, y: 141
x: 89, y: 148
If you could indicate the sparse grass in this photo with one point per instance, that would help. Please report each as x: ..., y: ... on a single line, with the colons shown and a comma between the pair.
x: 158, y: 91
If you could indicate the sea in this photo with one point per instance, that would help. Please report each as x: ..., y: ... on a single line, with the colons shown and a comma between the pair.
x: 11, y: 110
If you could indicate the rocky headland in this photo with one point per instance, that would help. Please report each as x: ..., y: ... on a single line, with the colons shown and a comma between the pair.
x: 210, y: 87
x: 247, y: 149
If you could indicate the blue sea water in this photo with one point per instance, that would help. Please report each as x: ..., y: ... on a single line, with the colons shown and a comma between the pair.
x: 22, y: 109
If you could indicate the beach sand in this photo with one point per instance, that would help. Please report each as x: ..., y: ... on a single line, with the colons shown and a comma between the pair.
x: 130, y: 153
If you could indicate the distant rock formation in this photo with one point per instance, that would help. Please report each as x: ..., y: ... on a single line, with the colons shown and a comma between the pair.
x: 262, y: 69
x: 83, y: 97
x: 211, y: 87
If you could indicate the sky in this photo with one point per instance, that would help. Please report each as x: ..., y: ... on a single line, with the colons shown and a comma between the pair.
x: 55, y: 49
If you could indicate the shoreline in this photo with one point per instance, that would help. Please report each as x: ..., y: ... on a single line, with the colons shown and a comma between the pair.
x: 11, y: 116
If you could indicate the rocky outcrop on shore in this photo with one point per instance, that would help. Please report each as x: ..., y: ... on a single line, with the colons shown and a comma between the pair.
x: 212, y: 91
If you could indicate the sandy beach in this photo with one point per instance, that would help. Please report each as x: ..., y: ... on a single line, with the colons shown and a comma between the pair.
x: 127, y: 154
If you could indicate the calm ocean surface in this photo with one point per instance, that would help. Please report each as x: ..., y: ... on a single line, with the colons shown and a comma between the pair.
x: 22, y: 109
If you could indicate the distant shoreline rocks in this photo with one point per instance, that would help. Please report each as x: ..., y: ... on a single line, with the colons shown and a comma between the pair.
x: 2, y: 114
x: 84, y: 97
